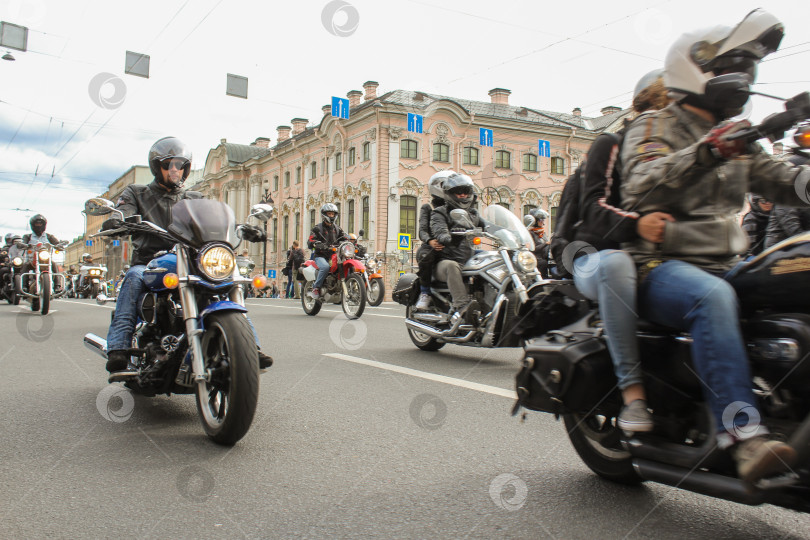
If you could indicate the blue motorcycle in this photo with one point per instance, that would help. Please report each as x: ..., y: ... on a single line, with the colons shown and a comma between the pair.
x: 193, y: 335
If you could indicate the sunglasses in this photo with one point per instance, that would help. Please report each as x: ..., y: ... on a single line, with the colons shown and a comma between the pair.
x: 178, y: 164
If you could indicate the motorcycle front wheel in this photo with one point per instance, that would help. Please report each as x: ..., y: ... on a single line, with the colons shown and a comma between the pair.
x: 45, y: 293
x: 376, y: 292
x: 14, y: 294
x: 354, y: 299
x: 310, y: 305
x: 597, y: 441
x: 94, y: 290
x: 423, y: 341
x: 227, y: 402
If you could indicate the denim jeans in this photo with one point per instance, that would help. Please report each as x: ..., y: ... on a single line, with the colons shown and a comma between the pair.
x: 323, y: 271
x: 119, y: 336
x: 683, y: 296
x: 609, y: 277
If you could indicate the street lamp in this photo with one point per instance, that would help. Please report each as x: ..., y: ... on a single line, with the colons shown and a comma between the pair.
x: 267, y: 199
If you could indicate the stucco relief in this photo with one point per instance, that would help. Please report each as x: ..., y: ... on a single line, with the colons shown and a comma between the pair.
x: 372, y: 134
x: 395, y: 133
x: 441, y: 132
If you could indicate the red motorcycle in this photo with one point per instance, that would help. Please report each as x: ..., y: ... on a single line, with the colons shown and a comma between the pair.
x: 343, y: 285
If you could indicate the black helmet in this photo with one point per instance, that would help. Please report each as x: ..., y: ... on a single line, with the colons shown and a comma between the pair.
x: 754, y: 201
x: 329, y: 207
x: 166, y: 149
x: 38, y: 224
x: 455, y: 185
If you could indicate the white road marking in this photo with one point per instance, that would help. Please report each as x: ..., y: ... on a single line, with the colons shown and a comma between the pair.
x: 299, y: 308
x: 494, y: 390
x: 87, y: 304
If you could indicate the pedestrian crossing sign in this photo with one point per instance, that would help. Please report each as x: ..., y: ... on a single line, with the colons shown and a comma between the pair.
x: 404, y: 241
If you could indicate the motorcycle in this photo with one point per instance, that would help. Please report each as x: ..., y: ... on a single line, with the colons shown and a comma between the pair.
x: 567, y: 371
x: 42, y: 283
x: 91, y: 281
x: 246, y: 266
x: 7, y: 282
x: 503, y: 281
x: 375, y: 286
x: 343, y: 285
x: 192, y: 334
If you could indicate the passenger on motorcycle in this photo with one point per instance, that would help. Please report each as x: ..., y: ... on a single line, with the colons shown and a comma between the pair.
x: 679, y: 160
x: 755, y: 223
x: 323, y: 236
x: 535, y: 221
x: 427, y: 254
x: 170, y: 163
x: 458, y: 193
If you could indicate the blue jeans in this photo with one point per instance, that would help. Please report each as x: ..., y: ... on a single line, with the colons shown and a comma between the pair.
x: 119, y: 336
x: 290, y: 286
x: 683, y: 296
x: 609, y: 277
x: 323, y: 271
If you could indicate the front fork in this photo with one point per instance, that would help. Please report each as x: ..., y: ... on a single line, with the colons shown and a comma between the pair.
x: 520, y: 288
x: 190, y: 314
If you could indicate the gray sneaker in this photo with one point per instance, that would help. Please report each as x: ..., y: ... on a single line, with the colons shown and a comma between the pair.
x: 762, y: 456
x: 635, y: 417
x: 424, y: 302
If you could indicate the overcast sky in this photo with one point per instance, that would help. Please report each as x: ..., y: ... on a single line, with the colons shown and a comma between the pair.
x: 62, y: 139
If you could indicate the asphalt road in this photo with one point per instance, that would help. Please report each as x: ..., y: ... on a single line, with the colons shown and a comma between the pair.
x: 358, y: 434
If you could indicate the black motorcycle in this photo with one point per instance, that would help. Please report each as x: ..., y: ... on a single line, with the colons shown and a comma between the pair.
x: 192, y: 334
x: 567, y: 371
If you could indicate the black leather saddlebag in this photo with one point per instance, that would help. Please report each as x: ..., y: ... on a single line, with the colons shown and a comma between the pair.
x: 567, y: 372
x: 406, y: 291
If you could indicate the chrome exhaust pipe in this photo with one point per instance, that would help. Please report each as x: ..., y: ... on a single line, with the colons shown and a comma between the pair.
x: 96, y: 344
x: 446, y: 335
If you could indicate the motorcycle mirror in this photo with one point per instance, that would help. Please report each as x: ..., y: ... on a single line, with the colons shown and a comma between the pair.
x: 98, y: 207
x: 361, y: 233
x: 461, y: 217
x: 261, y: 211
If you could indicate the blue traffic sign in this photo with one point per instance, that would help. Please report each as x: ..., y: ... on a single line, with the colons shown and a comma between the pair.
x: 404, y: 241
x: 485, y: 136
x: 544, y: 148
x: 415, y: 123
x: 271, y: 274
x: 340, y: 107
x: 116, y: 243
x: 88, y: 242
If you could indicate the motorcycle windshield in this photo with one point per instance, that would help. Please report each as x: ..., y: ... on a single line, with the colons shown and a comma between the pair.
x: 200, y: 221
x: 506, y: 226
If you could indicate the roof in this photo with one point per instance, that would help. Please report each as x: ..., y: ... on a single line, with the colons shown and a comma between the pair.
x: 240, y: 153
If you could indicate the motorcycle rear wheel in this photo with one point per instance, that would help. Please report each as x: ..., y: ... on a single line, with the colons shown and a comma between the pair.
x: 45, y: 293
x: 354, y: 301
x: 597, y: 441
x: 227, y: 403
x: 423, y: 341
x: 310, y: 305
x: 376, y: 292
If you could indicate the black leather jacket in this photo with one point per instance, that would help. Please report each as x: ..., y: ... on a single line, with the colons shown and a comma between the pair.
x: 328, y: 235
x: 456, y: 248
x: 153, y: 203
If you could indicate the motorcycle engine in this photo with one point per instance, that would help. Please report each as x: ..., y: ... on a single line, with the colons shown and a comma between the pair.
x: 330, y: 283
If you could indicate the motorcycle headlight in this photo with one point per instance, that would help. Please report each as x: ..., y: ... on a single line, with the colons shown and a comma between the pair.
x: 347, y: 251
x: 216, y: 262
x: 94, y: 272
x: 17, y: 261
x: 244, y: 270
x: 525, y: 261
x: 371, y: 264
x: 44, y: 256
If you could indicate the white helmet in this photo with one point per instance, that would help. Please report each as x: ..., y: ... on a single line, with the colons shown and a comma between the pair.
x: 712, y: 68
x: 436, y: 181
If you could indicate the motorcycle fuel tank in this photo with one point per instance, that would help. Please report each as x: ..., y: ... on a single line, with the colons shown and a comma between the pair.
x: 157, y: 268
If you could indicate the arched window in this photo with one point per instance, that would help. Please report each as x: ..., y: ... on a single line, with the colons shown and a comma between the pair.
x: 441, y: 152
x: 366, y: 151
x: 407, y: 149
x: 285, y: 232
x: 530, y: 162
x: 338, y: 161
x: 298, y: 175
x: 275, y: 235
x: 407, y: 215
x: 275, y: 183
x: 351, y: 156
x: 287, y: 179
x: 313, y: 169
x: 337, y: 220
x: 297, y: 226
x: 470, y: 156
x: 528, y: 208
x: 365, y: 215
x: 503, y: 160
x: 312, y: 214
x: 557, y: 165
x: 350, y: 216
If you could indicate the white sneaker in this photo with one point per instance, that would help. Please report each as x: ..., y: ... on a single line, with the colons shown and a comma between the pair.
x: 424, y: 301
x: 314, y: 294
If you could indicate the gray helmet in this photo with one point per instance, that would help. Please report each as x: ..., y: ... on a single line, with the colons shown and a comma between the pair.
x: 436, y: 181
x: 329, y: 207
x: 9, y: 236
x: 165, y: 149
x: 455, y: 185
x: 647, y: 80
x: 538, y: 214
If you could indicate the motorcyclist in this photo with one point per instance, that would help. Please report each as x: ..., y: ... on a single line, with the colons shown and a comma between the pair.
x: 680, y: 161
x: 459, y: 193
x: 535, y: 221
x: 5, y: 261
x: 784, y: 221
x: 37, y: 235
x: 427, y: 254
x: 170, y: 164
x: 323, y: 236
x: 755, y: 223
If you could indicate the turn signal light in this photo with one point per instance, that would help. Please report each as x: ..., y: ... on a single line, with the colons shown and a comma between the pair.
x: 171, y: 281
x: 477, y: 241
x: 260, y: 282
x: 802, y: 137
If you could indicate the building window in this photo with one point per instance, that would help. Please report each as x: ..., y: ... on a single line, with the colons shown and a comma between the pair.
x: 275, y: 235
x: 351, y: 156
x: 528, y: 208
x: 298, y: 175
x: 287, y: 179
x: 311, y: 219
x: 552, y: 217
x: 470, y: 156
x: 285, y: 233
x: 313, y: 169
x: 503, y: 159
x: 557, y: 165
x: 407, y: 149
x: 530, y: 162
x: 350, y: 217
x: 407, y: 215
x: 337, y: 219
x: 365, y: 215
x: 338, y: 161
x: 441, y: 152
x: 366, y: 151
x: 275, y: 183
x: 297, y: 226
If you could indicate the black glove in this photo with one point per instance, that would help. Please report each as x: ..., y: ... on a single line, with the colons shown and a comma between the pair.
x: 252, y: 233
x: 320, y: 246
x: 110, y: 224
x: 445, y: 239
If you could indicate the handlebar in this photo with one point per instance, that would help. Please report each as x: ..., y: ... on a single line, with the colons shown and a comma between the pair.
x: 773, y: 127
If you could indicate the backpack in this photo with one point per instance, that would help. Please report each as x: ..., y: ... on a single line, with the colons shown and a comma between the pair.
x: 569, y: 218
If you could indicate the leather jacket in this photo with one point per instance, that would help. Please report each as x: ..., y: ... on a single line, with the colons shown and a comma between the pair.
x: 328, y: 235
